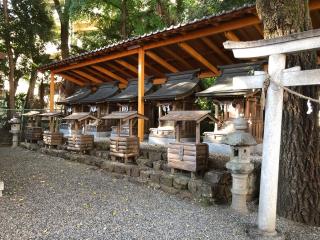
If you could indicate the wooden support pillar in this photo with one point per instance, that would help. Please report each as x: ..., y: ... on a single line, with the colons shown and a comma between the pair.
x: 177, y: 131
x: 51, y: 104
x: 198, y: 133
x: 130, y: 127
x: 141, y: 58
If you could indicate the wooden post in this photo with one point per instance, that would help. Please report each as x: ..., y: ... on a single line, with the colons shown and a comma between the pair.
x: 51, y: 104
x: 130, y: 127
x: 51, y: 123
x: 197, y: 132
x: 141, y: 93
x: 177, y: 130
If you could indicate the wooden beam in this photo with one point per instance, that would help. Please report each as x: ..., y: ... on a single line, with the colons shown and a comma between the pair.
x: 259, y: 28
x: 97, y: 73
x: 159, y: 81
x: 141, y: 60
x: 109, y: 73
x: 198, y: 57
x: 231, y: 36
x: 98, y: 60
x: 216, y: 49
x: 72, y: 79
x: 153, y: 69
x: 51, y: 104
x: 177, y: 57
x: 229, y: 26
x: 127, y: 65
x: 88, y: 76
x: 161, y: 61
x: 119, y: 69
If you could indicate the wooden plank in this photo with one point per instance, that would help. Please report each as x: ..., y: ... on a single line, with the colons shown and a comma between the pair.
x: 113, y: 66
x: 161, y: 61
x: 177, y: 57
x: 88, y: 76
x: 198, y: 57
x: 109, y: 73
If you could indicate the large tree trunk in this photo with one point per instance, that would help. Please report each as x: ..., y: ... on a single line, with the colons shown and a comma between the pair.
x: 124, y: 19
x: 299, y: 174
x: 9, y: 51
x: 30, y: 93
x: 64, y: 17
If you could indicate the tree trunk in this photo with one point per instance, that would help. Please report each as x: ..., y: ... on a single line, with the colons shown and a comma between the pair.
x: 9, y: 51
x: 41, y: 94
x: 163, y: 11
x: 64, y: 37
x: 124, y: 19
x: 30, y: 93
x: 299, y: 172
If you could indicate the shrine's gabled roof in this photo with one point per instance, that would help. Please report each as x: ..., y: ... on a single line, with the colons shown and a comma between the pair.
x: 76, y: 97
x: 196, y: 116
x: 80, y: 116
x: 125, y: 115
x: 102, y: 93
x: 178, y: 86
x: 130, y: 93
x: 223, y: 86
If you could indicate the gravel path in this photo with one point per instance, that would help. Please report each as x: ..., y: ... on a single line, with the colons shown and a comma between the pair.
x: 50, y: 198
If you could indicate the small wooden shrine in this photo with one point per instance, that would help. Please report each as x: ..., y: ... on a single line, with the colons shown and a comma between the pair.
x: 188, y: 156
x: 230, y: 103
x: 124, y: 146
x: 127, y: 100
x: 79, y: 140
x: 52, y: 136
x: 33, y: 132
x: 177, y: 94
x: 98, y: 105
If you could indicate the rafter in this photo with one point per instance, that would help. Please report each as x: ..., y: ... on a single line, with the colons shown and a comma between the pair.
x: 177, y: 57
x: 101, y: 76
x: 113, y: 66
x: 98, y: 60
x: 216, y: 49
x: 161, y: 61
x: 127, y: 65
x: 72, y: 79
x: 153, y: 69
x: 198, y: 57
x: 231, y: 36
x: 259, y: 29
x: 88, y: 76
x: 110, y: 74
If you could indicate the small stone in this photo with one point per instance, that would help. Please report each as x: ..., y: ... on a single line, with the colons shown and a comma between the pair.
x: 193, y: 186
x: 170, y: 190
x: 119, y: 168
x: 157, y: 165
x: 108, y: 166
x: 128, y: 169
x: 221, y: 177
x: 180, y: 182
x: 166, y: 179
x: 145, y: 174
x: 155, y: 177
x: 135, y: 171
x: 154, y: 155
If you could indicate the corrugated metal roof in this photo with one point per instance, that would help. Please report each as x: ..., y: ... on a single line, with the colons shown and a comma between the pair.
x: 179, y: 85
x: 223, y: 86
x: 120, y: 45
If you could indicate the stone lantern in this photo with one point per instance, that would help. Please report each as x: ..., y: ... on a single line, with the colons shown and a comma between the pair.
x: 240, y: 165
x: 15, y: 130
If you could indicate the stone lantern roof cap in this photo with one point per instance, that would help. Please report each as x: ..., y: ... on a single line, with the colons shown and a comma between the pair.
x: 239, y: 137
x: 14, y: 120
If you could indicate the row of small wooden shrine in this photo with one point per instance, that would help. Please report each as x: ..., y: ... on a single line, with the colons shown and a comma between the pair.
x: 178, y: 93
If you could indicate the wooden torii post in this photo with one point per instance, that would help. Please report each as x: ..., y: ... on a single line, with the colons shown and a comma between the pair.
x: 275, y: 49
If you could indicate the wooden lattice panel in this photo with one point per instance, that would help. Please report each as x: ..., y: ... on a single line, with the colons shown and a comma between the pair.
x: 124, y: 147
x: 52, y: 138
x: 79, y: 142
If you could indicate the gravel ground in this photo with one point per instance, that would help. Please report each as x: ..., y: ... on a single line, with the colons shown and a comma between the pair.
x: 50, y: 198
